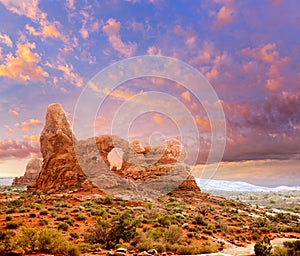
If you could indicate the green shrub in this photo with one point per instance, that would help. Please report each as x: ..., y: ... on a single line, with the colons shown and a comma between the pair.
x: 15, y: 203
x: 44, y: 222
x: 164, y: 220
x: 173, y: 234
x: 63, y: 226
x: 43, y: 212
x: 123, y: 227
x: 80, y: 216
x: 12, y: 225
x: 263, y: 247
x: 108, y: 200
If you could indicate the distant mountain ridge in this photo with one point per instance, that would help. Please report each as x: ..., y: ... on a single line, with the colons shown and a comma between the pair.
x: 224, y: 185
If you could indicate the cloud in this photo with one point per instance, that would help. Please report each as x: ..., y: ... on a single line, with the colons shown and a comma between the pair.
x: 266, y: 53
x: 14, y: 113
x: 28, y: 8
x: 273, y: 85
x: 25, y: 126
x: 186, y: 95
x: 224, y: 15
x: 111, y: 29
x: 70, y: 4
x: 5, y: 39
x: 32, y: 138
x: 157, y: 119
x: 17, y: 149
x: 68, y: 73
x: 154, y: 50
x: 23, y: 66
x: 46, y: 31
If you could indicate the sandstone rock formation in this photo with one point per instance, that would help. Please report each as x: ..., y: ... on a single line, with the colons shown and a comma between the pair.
x: 145, y: 170
x: 60, y: 168
x: 32, y: 171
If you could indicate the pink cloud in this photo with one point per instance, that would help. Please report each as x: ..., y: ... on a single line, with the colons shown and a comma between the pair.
x: 266, y: 53
x: 225, y: 15
x: 111, y: 29
x: 5, y: 39
x: 17, y: 149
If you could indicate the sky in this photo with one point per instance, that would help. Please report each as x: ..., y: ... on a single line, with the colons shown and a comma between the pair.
x: 248, y: 51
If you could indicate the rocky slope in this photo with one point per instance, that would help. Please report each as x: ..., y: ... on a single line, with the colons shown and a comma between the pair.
x: 68, y: 162
x: 32, y: 171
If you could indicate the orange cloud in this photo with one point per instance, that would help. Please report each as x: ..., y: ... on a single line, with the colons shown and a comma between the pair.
x: 24, y: 66
x: 111, y: 29
x: 13, y: 112
x: 25, y: 126
x: 202, y: 123
x: 100, y: 121
x: 5, y: 39
x: 46, y: 31
x: 157, y: 119
x: 32, y: 138
x: 267, y: 53
x: 186, y: 95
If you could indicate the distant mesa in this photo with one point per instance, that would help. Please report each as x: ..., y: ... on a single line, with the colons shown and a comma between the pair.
x: 142, y: 168
x: 32, y: 171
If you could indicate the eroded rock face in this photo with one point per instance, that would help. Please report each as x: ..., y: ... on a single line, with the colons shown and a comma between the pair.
x: 60, y: 168
x: 68, y: 162
x: 32, y: 171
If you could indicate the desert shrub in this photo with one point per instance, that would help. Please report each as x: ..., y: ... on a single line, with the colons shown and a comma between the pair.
x: 74, y: 235
x: 43, y: 212
x: 6, y: 243
x: 28, y: 239
x: 44, y: 222
x: 100, y: 212
x: 63, y: 226
x: 8, y: 218
x: 12, y: 225
x: 280, y: 251
x: 108, y: 200
x: 293, y: 247
x: 11, y: 210
x: 173, y: 234
x: 263, y: 247
x: 62, y: 217
x: 15, y: 203
x: 123, y: 227
x: 50, y: 241
x: 32, y: 215
x: 80, y: 216
x: 164, y: 220
x: 207, y: 231
x: 88, y: 204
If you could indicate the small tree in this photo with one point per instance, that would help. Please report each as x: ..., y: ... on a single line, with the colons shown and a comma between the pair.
x: 263, y: 247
